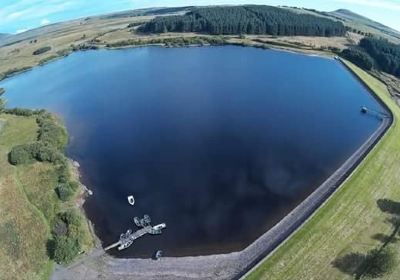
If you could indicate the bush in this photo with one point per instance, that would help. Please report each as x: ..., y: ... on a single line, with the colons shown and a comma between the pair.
x: 84, y: 47
x: 64, y: 191
x: 47, y: 153
x: 27, y: 153
x: 73, y: 220
x: 63, y: 172
x: 67, y: 232
x: 51, y: 140
x: 60, y: 228
x: 50, y: 132
x: 70, y: 220
x: 66, y: 248
x: 23, y: 112
x: 21, y: 154
x: 41, y: 50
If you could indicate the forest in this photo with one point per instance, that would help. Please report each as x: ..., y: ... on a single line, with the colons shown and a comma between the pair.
x: 247, y: 19
x: 385, y: 54
x: 376, y: 53
x: 359, y: 58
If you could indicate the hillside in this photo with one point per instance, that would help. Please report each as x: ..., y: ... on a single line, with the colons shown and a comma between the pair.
x: 247, y: 19
x: 3, y: 35
x: 350, y: 16
x: 108, y: 22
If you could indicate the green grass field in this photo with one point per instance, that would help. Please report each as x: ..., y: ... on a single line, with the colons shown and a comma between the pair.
x: 23, y: 229
x: 353, y: 221
x: 28, y: 204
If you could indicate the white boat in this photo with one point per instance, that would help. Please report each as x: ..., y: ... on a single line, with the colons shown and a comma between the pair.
x: 131, y: 200
x: 160, y: 226
x: 125, y: 245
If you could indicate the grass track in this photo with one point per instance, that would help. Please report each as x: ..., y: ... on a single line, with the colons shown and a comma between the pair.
x: 350, y: 220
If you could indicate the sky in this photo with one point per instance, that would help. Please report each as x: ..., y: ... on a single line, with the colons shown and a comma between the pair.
x: 20, y: 15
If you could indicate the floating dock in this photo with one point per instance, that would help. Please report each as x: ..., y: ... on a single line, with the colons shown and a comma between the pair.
x: 127, y: 239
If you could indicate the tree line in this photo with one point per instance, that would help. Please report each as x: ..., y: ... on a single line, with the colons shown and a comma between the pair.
x: 41, y: 50
x: 170, y: 42
x: 385, y: 54
x: 247, y: 19
x: 375, y: 53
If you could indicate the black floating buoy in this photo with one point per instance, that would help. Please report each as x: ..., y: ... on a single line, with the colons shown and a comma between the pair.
x: 158, y: 255
x: 364, y: 109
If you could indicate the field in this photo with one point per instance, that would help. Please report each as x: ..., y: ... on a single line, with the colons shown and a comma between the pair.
x: 28, y: 203
x: 60, y: 38
x: 362, y: 215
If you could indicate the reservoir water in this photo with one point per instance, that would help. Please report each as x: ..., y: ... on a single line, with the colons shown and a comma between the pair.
x: 220, y: 143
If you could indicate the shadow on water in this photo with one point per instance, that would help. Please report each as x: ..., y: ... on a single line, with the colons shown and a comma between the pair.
x: 381, y: 260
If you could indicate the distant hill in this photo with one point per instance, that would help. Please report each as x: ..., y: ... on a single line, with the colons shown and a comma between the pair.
x: 8, y: 39
x: 351, y: 20
x: 3, y: 35
x: 350, y: 16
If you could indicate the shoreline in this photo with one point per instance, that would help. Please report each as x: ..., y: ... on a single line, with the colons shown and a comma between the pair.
x: 242, y: 43
x: 233, y: 265
x: 82, y: 195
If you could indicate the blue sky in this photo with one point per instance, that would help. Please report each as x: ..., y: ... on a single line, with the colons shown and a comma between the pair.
x: 19, y: 15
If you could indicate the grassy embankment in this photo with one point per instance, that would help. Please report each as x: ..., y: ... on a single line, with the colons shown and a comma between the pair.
x: 361, y: 216
x: 29, y: 205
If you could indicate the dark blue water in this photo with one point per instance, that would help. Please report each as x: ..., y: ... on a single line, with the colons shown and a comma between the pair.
x: 218, y: 142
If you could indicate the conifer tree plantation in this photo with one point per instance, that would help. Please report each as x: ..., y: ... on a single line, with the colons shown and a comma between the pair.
x: 375, y: 53
x: 248, y: 19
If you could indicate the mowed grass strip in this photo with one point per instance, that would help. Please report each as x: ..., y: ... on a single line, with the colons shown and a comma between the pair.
x: 350, y: 223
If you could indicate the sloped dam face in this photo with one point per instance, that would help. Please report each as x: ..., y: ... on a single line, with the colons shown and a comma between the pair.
x: 220, y: 143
